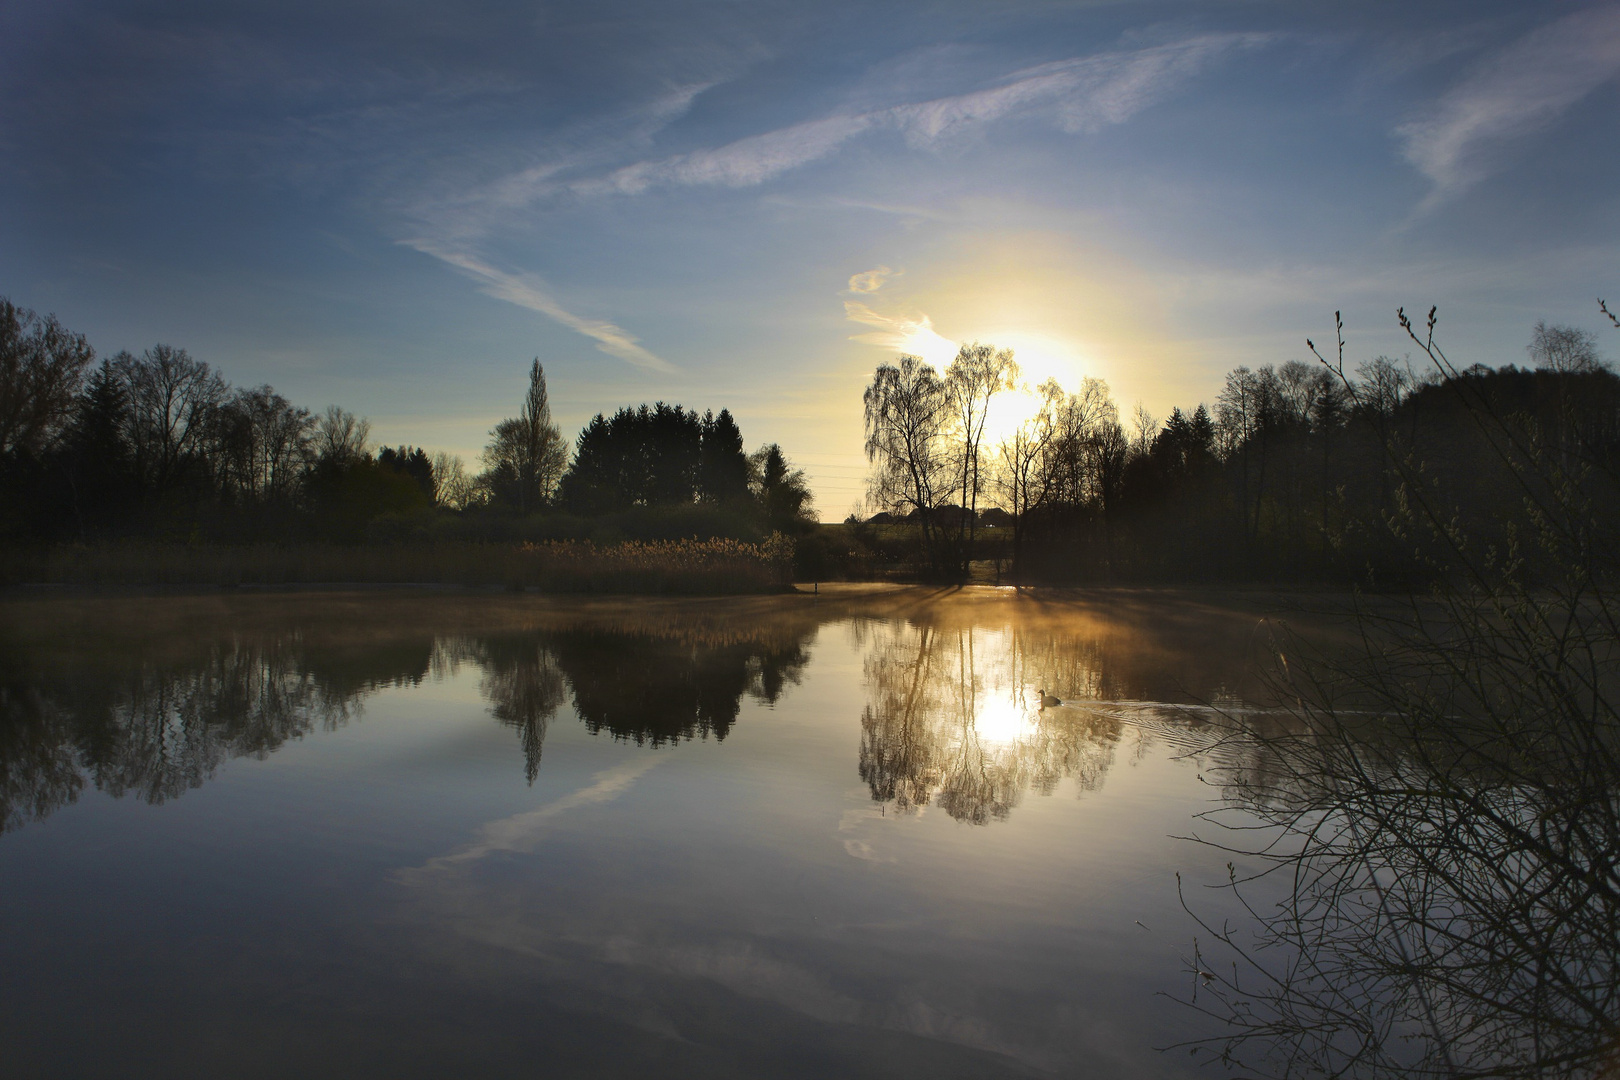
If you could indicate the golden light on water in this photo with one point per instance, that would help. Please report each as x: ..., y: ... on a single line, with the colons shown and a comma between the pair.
x: 1002, y: 720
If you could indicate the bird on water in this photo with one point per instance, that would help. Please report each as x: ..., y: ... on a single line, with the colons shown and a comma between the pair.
x: 1047, y: 700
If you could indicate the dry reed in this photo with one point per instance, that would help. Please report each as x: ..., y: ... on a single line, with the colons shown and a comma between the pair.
x: 668, y: 566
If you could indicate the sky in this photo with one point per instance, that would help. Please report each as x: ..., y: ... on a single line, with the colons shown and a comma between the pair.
x: 393, y: 207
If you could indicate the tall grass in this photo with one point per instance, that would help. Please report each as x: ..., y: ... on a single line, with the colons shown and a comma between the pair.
x: 661, y: 566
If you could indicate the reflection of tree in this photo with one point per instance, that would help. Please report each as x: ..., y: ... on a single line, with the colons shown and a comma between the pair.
x: 952, y: 718
x: 155, y: 720
x: 160, y: 694
x: 39, y: 773
x: 524, y: 687
x: 155, y: 729
x: 1452, y: 857
x: 661, y: 688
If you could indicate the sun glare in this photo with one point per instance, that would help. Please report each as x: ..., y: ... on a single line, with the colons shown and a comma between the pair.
x: 1039, y: 358
x: 924, y: 341
x: 1003, y: 721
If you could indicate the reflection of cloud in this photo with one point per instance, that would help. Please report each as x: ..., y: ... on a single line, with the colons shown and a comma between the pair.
x: 522, y: 832
x: 857, y: 848
x: 744, y: 969
x: 1521, y: 89
x: 526, y: 290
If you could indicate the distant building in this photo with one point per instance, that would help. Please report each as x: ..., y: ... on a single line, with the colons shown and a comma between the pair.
x: 996, y: 518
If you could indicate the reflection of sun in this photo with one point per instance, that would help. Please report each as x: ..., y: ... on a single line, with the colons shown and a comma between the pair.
x: 1002, y: 721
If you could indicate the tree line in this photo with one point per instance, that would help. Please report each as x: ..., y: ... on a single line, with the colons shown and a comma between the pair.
x: 160, y: 445
x: 1302, y: 471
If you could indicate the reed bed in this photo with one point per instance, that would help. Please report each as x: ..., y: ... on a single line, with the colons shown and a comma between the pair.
x: 686, y: 567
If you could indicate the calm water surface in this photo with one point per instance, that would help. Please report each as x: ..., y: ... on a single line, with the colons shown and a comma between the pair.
x: 407, y: 835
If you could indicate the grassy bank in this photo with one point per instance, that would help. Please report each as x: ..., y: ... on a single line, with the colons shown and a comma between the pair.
x: 691, y: 567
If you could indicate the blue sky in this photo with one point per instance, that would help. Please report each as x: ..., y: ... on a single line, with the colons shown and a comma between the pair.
x: 394, y: 206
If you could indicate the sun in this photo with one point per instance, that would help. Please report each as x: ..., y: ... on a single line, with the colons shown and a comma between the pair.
x: 1039, y: 358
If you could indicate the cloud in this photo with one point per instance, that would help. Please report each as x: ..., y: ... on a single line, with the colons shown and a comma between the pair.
x: 1086, y: 94
x: 1518, y: 91
x: 744, y: 163
x: 901, y: 333
x: 1083, y: 94
x: 637, y: 126
x: 526, y: 290
x: 870, y: 281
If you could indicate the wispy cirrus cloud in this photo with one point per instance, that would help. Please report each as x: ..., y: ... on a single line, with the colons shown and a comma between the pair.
x: 1516, y: 92
x: 1081, y: 95
x: 528, y: 291
x: 1085, y: 94
x: 743, y: 163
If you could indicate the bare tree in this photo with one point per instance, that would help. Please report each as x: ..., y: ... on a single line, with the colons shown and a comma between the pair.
x: 1381, y: 385
x: 172, y: 402
x: 1022, y: 474
x: 1144, y: 429
x: 907, y: 409
x: 977, y: 374
x: 452, y: 487
x: 1246, y: 409
x: 1082, y: 427
x: 341, y: 436
x: 1563, y: 348
x: 42, y: 366
x: 265, y: 442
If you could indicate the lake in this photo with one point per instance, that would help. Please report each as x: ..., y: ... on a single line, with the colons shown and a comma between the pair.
x: 402, y: 833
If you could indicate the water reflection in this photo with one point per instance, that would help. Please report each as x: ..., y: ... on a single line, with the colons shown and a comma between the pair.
x: 954, y: 717
x: 150, y: 697
x: 653, y: 689
x: 648, y: 688
x: 157, y: 730
x: 155, y: 721
x: 523, y: 684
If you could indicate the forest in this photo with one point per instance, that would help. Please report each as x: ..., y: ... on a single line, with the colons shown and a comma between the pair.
x: 1314, y: 471
x: 159, y: 447
x: 1308, y: 472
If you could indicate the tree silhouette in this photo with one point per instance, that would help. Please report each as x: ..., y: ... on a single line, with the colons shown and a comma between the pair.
x: 907, y: 411
x: 42, y: 366
x: 781, y: 490
x: 723, y: 467
x: 526, y: 455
